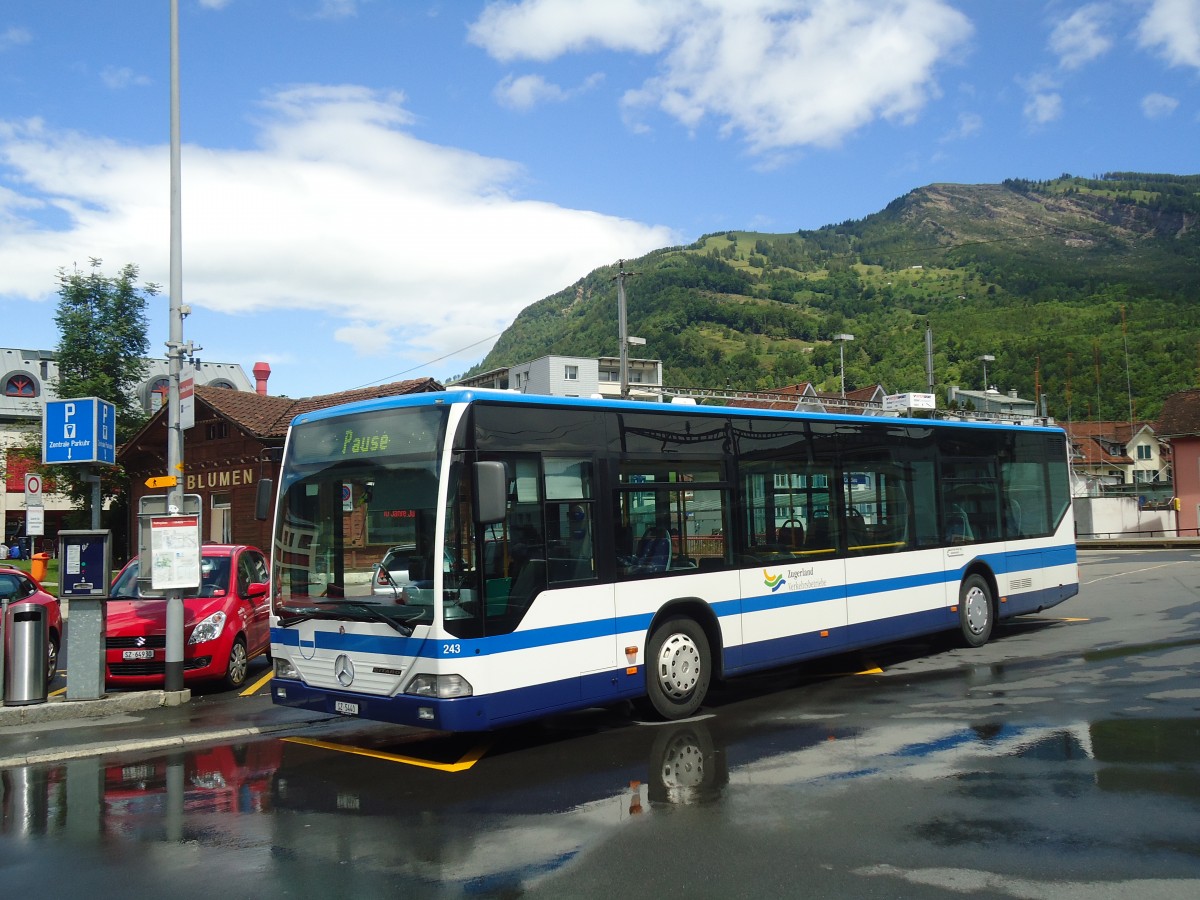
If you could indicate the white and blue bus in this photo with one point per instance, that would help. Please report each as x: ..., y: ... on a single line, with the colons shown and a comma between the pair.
x: 466, y: 560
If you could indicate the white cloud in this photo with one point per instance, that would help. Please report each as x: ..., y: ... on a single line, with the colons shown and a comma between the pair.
x: 1158, y: 106
x: 525, y: 92
x: 780, y: 73
x: 545, y: 29
x: 117, y: 79
x: 1043, y: 107
x: 1079, y: 39
x: 14, y: 37
x: 1172, y: 28
x: 968, y: 125
x: 402, y: 245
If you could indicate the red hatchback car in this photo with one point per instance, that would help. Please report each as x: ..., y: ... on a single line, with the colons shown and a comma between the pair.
x: 17, y: 587
x: 225, y: 625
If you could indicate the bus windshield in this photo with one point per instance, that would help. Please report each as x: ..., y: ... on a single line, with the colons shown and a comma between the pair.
x: 355, y: 535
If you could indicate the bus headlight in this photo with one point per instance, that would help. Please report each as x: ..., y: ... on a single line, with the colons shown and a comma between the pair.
x: 209, y: 629
x: 284, y: 668
x: 444, y: 687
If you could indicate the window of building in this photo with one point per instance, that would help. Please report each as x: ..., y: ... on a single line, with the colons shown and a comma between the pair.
x: 20, y: 385
x: 571, y: 373
x: 1145, y: 451
x: 220, y: 524
x: 158, y: 393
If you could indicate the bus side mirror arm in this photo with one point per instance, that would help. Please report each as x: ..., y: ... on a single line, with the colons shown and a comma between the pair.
x: 491, y: 492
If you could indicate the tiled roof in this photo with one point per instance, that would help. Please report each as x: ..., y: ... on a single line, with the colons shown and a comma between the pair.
x: 269, y: 417
x: 1180, y: 414
x: 1103, y: 443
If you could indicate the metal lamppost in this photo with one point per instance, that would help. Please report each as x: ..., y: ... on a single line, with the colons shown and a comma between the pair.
x: 842, y: 339
x: 985, y: 359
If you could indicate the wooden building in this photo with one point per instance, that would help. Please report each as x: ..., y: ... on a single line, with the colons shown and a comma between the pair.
x: 236, y: 442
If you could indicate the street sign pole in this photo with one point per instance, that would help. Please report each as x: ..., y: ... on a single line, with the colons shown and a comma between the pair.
x: 173, y: 675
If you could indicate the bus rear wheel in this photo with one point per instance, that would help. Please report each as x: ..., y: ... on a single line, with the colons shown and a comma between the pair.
x: 678, y: 668
x: 976, y: 612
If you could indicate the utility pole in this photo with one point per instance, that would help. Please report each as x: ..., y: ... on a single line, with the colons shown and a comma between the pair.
x: 623, y: 327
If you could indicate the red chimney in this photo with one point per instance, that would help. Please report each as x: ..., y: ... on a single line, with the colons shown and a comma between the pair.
x: 262, y: 372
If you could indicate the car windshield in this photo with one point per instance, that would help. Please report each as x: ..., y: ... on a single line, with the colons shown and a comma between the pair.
x: 214, y: 580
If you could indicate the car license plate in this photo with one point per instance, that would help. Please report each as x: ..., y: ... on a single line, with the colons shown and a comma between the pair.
x: 345, y: 707
x: 138, y: 654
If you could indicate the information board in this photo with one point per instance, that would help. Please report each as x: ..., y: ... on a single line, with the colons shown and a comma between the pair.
x: 174, y: 552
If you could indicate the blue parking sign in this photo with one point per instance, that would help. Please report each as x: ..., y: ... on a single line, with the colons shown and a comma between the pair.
x: 82, y: 430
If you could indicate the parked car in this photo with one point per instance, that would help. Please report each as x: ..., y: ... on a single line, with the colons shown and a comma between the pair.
x: 226, y: 623
x: 396, y: 575
x: 18, y: 587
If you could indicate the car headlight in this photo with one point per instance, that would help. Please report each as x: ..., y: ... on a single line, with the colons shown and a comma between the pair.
x: 444, y: 687
x: 209, y: 629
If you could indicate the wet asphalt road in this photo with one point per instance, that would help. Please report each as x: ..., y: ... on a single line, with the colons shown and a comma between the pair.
x: 1060, y: 760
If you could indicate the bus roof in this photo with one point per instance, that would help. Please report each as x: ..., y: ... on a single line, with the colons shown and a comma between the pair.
x: 516, y: 398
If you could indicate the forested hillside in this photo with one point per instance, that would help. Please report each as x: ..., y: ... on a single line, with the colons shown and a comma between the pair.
x: 1086, y: 288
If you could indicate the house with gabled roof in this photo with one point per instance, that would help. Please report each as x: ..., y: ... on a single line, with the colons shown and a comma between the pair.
x: 1108, y: 455
x: 237, y: 441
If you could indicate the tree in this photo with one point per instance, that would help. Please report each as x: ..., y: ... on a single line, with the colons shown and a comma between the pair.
x: 102, y: 344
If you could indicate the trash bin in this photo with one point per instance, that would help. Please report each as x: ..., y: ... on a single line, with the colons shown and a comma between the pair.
x: 24, y: 654
x: 37, y: 566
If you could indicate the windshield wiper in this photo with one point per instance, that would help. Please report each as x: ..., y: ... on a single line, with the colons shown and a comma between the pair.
x: 294, y: 615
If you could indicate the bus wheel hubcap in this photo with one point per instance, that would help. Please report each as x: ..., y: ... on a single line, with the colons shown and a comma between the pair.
x: 678, y: 666
x: 977, y: 610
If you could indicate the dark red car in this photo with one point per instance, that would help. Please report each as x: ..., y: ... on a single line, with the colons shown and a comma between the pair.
x: 18, y: 587
x: 225, y: 625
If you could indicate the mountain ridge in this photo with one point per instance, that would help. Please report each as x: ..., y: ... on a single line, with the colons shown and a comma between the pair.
x: 1083, y: 289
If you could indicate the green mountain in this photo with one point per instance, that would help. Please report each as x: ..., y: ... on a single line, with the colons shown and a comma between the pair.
x: 1083, y: 289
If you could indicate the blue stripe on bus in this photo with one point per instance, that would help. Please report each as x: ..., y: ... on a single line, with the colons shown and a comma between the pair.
x: 580, y: 631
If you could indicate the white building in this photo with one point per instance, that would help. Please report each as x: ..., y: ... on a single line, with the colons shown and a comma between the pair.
x: 574, y: 376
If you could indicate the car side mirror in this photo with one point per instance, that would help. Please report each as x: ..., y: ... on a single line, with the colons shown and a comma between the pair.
x: 257, y: 589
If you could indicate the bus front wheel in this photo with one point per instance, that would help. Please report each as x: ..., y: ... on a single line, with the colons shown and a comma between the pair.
x: 678, y: 668
x: 976, y: 612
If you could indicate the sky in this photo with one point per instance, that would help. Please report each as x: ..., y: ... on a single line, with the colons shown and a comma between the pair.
x: 372, y: 190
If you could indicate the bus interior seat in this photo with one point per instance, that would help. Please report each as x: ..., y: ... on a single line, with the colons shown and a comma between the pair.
x: 820, y: 535
x: 958, y: 527
x: 791, y: 535
x: 654, y: 550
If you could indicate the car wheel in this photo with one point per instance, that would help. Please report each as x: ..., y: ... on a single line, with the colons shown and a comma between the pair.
x: 239, y: 664
x: 51, y: 659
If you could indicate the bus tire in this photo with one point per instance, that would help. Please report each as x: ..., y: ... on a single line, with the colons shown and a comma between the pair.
x: 976, y: 611
x: 678, y: 668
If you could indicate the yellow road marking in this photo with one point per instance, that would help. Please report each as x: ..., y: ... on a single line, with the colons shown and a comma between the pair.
x: 462, y: 765
x: 61, y: 690
x: 874, y: 671
x: 257, y: 686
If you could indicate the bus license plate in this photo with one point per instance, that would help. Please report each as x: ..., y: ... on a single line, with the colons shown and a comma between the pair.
x: 345, y: 707
x: 138, y: 654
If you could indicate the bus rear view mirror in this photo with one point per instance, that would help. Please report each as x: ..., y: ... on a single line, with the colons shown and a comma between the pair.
x: 491, y: 492
x: 263, y: 498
